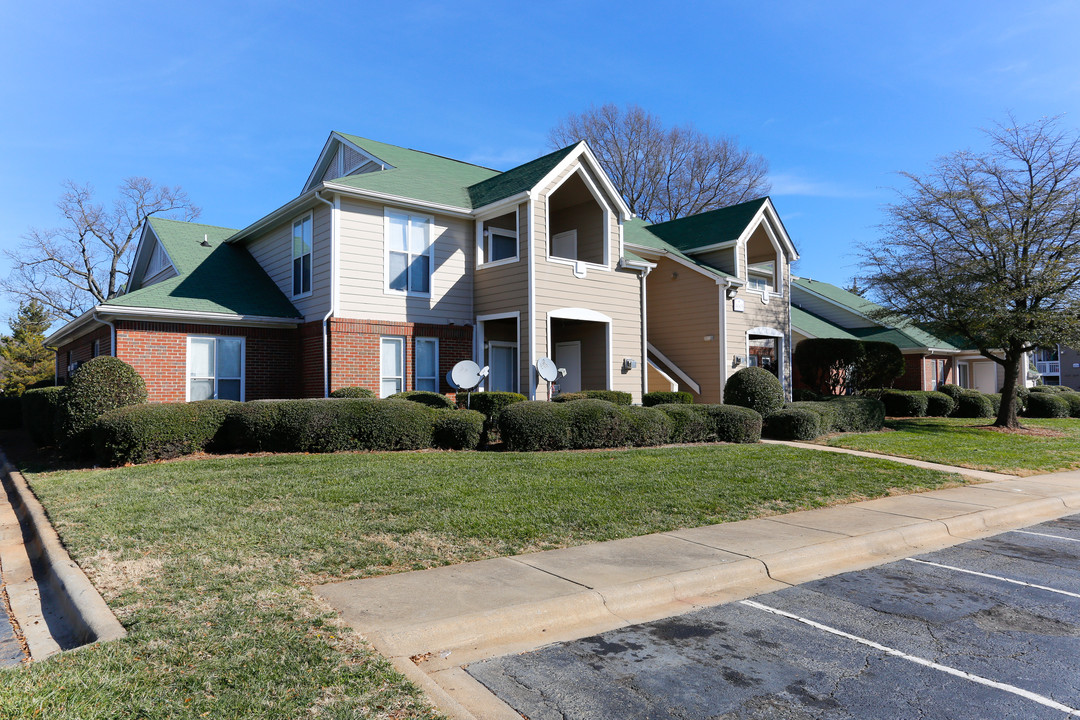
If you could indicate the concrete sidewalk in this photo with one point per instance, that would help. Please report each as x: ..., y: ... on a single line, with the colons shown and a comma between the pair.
x: 433, y: 622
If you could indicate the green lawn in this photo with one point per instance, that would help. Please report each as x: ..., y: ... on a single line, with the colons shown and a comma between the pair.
x: 969, y: 443
x: 208, y: 563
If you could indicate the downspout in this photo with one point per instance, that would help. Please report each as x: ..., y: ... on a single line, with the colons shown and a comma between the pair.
x: 532, y: 299
x: 330, y: 311
x: 644, y: 335
x: 112, y: 333
x: 789, y: 371
x: 723, y: 336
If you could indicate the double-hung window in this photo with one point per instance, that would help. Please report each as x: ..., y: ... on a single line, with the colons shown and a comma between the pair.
x: 301, y: 256
x: 215, y: 368
x: 391, y: 366
x: 427, y: 364
x: 408, y: 253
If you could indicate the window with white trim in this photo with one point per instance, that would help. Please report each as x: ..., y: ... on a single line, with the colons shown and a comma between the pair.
x: 408, y: 253
x: 499, y: 239
x: 426, y: 361
x: 391, y: 366
x: 215, y: 368
x: 301, y: 255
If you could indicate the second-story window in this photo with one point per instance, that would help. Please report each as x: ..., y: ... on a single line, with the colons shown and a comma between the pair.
x: 408, y: 253
x: 301, y: 256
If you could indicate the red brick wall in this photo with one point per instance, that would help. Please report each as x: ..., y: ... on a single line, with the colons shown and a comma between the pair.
x: 912, y: 379
x: 82, y: 349
x: 311, y: 360
x: 158, y: 352
x: 354, y: 350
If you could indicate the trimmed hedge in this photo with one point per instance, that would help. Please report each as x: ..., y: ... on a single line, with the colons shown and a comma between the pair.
x: 1047, y: 405
x: 456, y: 429
x: 905, y: 403
x: 793, y: 423
x: 666, y: 397
x: 646, y: 427
x: 939, y: 404
x: 973, y: 405
x: 755, y: 388
x: 953, y: 391
x: 1050, y: 389
x: 10, y: 412
x: 353, y: 392
x: 425, y: 397
x: 329, y: 425
x: 535, y: 425
x: 688, y: 425
x: 587, y: 423
x: 141, y: 433
x: 39, y: 408
x: 845, y: 413
x: 1073, y: 399
x: 732, y: 423
x: 102, y: 384
x: 490, y: 405
x: 616, y: 397
x: 806, y: 395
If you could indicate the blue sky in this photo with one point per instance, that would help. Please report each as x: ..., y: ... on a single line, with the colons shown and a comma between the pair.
x: 233, y: 101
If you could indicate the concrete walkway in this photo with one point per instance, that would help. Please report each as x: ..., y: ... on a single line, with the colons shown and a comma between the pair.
x: 433, y: 622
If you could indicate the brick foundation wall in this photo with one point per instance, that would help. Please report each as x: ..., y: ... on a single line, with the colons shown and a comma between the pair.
x: 354, y: 350
x: 158, y: 352
x: 81, y: 349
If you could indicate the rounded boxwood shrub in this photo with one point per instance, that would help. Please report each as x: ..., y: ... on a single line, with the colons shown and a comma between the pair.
x: 39, y: 409
x: 102, y: 384
x: 688, y: 425
x: 905, y: 403
x: 456, y: 429
x: 1073, y: 399
x: 939, y: 404
x: 755, y: 388
x: 973, y: 405
x: 353, y: 392
x: 616, y: 397
x: 792, y: 423
x: 732, y: 423
x: 535, y: 425
x: 142, y: 433
x: 855, y: 414
x: 595, y: 424
x: 645, y: 427
x: 953, y: 391
x: 490, y: 405
x: 828, y: 414
x: 1047, y: 405
x: 666, y: 397
x: 1050, y: 389
x: 425, y: 397
x: 805, y: 395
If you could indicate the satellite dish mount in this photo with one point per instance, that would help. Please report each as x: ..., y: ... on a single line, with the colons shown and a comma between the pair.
x: 466, y: 375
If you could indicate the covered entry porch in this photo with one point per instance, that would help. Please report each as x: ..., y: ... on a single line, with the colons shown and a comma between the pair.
x: 579, y: 341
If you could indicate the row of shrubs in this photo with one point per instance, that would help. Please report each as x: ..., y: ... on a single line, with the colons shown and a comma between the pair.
x: 954, y: 401
x: 808, y: 419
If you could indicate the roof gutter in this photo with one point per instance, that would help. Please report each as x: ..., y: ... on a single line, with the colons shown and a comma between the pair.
x: 112, y: 332
x: 273, y: 218
x: 451, y: 210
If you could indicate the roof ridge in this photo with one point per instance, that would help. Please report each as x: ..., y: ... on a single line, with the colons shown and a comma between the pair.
x: 156, y: 218
x: 421, y: 152
x: 726, y: 208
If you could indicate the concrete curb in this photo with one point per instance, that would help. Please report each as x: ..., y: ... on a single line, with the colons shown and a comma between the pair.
x: 52, y: 589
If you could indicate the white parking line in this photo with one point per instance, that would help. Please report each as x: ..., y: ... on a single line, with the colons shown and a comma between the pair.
x: 1027, y: 694
x: 1046, y: 535
x: 995, y: 577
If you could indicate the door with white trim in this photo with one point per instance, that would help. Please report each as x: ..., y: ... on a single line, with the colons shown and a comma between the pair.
x: 568, y: 357
x: 502, y: 364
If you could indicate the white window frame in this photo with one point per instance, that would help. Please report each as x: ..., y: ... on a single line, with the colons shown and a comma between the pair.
x: 216, y: 338
x: 488, y: 246
x: 400, y: 342
x: 307, y: 218
x: 429, y: 220
x: 417, y: 377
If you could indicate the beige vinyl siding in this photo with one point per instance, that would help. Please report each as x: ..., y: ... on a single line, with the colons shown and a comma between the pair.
x: 273, y: 251
x: 505, y: 288
x: 723, y: 259
x: 774, y: 315
x: 362, y: 268
x: 614, y: 293
x: 683, y: 311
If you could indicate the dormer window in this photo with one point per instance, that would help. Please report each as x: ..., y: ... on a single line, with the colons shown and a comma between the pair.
x: 301, y: 256
x: 159, y: 261
x: 762, y: 276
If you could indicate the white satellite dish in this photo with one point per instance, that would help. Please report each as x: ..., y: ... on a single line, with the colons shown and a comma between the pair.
x: 466, y: 375
x: 547, y: 369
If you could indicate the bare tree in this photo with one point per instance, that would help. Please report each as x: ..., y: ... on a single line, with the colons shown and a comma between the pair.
x: 665, y: 173
x: 88, y: 259
x: 986, y: 247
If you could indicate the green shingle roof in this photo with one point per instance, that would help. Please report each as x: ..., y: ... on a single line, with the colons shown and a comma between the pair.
x: 815, y: 326
x: 708, y: 228
x: 522, y: 178
x: 904, y: 335
x: 638, y: 232
x: 220, y: 278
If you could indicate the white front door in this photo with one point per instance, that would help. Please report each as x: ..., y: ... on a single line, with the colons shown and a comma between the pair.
x: 502, y: 361
x: 568, y: 357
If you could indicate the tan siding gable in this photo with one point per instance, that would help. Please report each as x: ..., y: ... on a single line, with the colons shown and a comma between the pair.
x: 273, y: 251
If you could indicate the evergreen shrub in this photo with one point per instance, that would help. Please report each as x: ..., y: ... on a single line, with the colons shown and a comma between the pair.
x: 755, y: 388
x: 102, y: 384
x: 616, y: 397
x: 1047, y: 405
x: 666, y: 397
x: 353, y: 392
x: 425, y: 397
x: 974, y: 405
x: 793, y: 423
x: 688, y: 425
x: 142, y: 433
x: 10, y: 412
x: 939, y: 404
x: 456, y: 429
x: 39, y: 408
x: 905, y: 403
x: 490, y: 405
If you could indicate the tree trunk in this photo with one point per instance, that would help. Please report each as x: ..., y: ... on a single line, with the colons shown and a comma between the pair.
x: 1006, y: 416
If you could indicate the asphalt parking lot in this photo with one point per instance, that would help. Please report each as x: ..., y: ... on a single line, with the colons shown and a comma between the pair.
x: 11, y: 652
x: 988, y: 629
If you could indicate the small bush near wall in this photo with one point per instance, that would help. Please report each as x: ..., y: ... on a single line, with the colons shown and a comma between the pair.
x: 793, y: 423
x: 905, y: 403
x: 10, y: 412
x: 490, y: 405
x: 665, y: 397
x: 973, y: 405
x: 142, y: 433
x: 39, y: 409
x: 827, y: 412
x: 688, y: 425
x: 857, y: 414
x: 939, y: 404
x: 456, y: 429
x: 754, y: 388
x: 535, y: 425
x: 645, y: 427
x: 953, y: 391
x: 582, y: 424
x: 1047, y: 405
x: 732, y: 423
x: 425, y: 397
x: 102, y: 384
x: 615, y: 397
x: 353, y: 392
x: 1050, y: 389
x: 1073, y: 399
